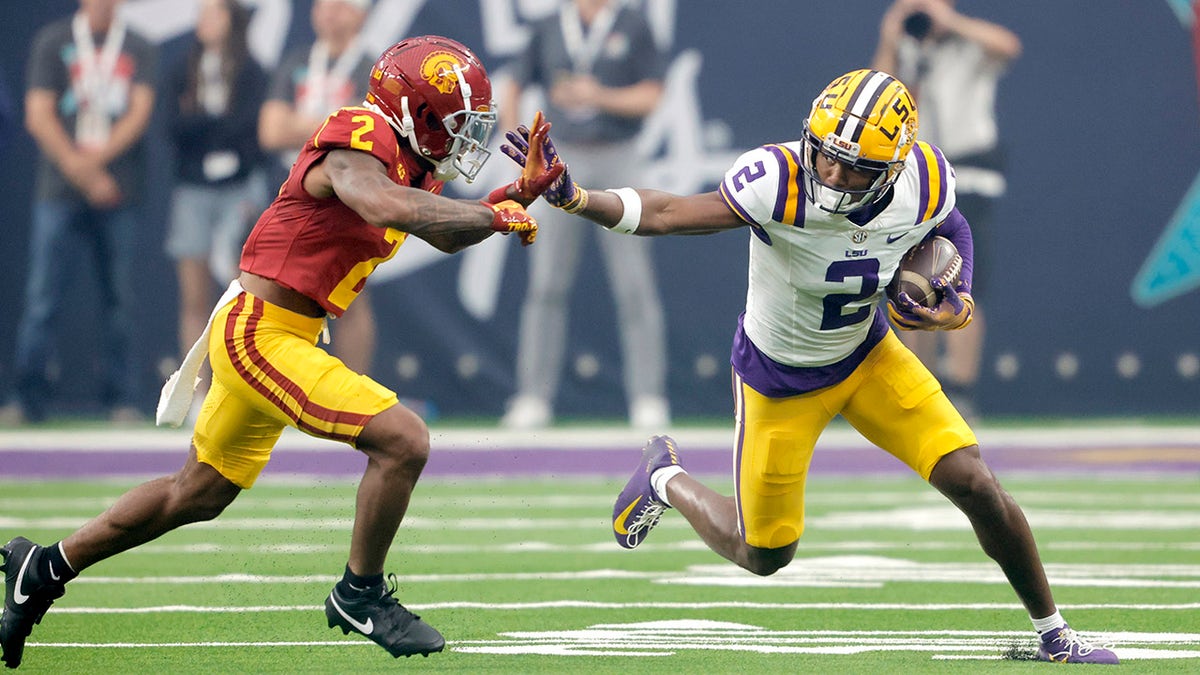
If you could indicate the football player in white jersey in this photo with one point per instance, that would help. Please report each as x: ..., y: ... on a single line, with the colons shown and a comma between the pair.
x: 831, y: 215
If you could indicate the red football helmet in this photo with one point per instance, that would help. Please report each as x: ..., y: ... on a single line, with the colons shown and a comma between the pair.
x: 436, y: 93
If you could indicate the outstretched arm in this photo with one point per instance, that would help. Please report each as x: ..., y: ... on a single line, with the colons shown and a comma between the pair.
x: 360, y: 181
x: 626, y: 210
x: 660, y: 212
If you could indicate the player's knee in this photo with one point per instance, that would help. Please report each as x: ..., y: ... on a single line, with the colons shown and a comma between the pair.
x: 194, y: 502
x: 965, y: 479
x: 401, y: 442
x: 765, y: 562
x: 203, y: 509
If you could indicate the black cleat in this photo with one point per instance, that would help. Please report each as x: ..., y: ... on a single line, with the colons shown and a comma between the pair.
x: 26, y: 597
x: 379, y: 616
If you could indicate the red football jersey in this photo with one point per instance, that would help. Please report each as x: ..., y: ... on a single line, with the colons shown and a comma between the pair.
x: 321, y: 247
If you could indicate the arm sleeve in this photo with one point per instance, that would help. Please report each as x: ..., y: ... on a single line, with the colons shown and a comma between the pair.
x: 41, y: 71
x: 146, y: 55
x: 956, y: 229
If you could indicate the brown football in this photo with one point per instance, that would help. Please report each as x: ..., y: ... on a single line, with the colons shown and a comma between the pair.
x: 928, y: 260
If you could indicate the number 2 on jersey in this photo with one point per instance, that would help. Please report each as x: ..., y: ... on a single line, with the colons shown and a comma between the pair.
x: 356, y: 137
x: 834, y: 315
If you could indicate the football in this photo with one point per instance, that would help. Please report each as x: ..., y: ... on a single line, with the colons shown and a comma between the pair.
x: 928, y: 260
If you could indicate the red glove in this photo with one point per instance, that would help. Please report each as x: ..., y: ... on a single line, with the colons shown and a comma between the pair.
x: 536, y: 173
x: 509, y: 216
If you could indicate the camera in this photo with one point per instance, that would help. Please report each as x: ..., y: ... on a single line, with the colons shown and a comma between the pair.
x: 918, y: 25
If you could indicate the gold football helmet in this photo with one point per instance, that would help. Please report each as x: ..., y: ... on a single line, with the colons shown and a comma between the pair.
x: 866, y: 119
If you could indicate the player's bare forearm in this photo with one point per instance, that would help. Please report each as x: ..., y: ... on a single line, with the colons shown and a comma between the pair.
x: 453, y: 242
x: 665, y: 213
x: 360, y: 181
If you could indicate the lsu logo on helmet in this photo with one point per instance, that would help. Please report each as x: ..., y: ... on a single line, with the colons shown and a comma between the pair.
x: 866, y: 119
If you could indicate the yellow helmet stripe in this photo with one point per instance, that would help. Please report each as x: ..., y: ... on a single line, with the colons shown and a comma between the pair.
x: 862, y: 102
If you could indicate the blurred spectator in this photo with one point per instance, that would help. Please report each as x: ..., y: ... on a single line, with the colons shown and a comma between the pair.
x: 311, y: 82
x: 213, y: 99
x: 602, y: 73
x: 88, y: 103
x: 952, y: 63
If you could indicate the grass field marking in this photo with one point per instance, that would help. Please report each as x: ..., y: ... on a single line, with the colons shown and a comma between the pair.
x: 411, y: 522
x: 169, y: 645
x: 625, y: 606
x: 840, y: 571
x: 607, y: 547
x: 662, y: 638
x: 880, y: 570
x: 943, y: 516
x: 658, y: 638
x: 1126, y: 655
x: 583, y: 575
x: 252, y: 503
x: 918, y: 519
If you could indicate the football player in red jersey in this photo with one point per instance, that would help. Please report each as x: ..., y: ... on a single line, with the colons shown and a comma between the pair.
x: 369, y: 177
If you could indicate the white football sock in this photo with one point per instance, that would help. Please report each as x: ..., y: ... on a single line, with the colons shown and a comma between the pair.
x: 658, y: 481
x: 1049, y: 623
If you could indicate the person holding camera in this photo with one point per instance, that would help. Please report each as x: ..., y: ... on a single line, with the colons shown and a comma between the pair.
x: 952, y: 63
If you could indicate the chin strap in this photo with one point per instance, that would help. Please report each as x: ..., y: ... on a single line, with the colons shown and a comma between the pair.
x: 407, y: 128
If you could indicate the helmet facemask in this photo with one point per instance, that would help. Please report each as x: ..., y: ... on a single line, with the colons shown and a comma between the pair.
x: 470, y: 132
x: 836, y: 199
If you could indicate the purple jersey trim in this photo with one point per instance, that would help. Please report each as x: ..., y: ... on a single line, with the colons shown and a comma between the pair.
x: 776, y: 380
x: 758, y: 230
x: 924, y: 171
x: 787, y: 159
x: 733, y: 204
x: 943, y: 183
x: 956, y: 229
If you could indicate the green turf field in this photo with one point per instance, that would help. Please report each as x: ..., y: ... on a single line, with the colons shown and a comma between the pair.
x: 523, y: 576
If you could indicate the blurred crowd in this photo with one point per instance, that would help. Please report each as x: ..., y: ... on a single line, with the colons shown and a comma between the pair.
x: 92, y: 84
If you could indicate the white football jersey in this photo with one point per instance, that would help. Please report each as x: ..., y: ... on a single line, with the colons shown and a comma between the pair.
x: 816, y: 278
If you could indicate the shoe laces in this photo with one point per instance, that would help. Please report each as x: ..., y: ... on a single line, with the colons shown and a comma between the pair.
x: 389, y: 596
x: 647, y: 517
x: 1073, y: 642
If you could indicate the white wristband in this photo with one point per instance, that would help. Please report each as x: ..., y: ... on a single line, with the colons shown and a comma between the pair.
x: 631, y: 217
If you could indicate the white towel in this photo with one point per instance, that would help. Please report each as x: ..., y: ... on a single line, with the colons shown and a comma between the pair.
x: 175, y: 401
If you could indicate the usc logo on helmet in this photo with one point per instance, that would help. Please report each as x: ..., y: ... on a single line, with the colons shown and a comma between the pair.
x: 441, y: 69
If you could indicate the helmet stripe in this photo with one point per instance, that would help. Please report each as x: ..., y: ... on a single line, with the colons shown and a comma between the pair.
x: 862, y: 102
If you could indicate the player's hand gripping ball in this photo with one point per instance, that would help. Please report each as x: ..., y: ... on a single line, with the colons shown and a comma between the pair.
x: 935, y: 258
x: 925, y: 293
